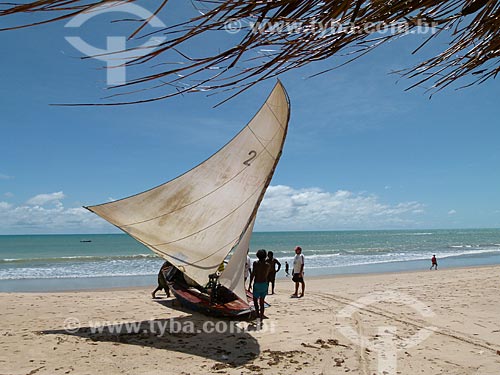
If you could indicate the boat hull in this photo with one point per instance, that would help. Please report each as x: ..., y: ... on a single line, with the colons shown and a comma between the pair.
x: 196, y: 301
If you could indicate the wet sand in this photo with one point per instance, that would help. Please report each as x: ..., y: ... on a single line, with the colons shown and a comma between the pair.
x: 429, y: 322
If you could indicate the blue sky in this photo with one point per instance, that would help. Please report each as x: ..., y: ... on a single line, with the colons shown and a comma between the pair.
x: 361, y: 152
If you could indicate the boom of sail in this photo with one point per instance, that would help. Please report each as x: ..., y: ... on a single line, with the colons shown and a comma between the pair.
x: 195, y: 220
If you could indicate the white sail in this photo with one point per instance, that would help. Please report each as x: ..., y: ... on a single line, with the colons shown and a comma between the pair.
x: 233, y: 276
x: 196, y: 219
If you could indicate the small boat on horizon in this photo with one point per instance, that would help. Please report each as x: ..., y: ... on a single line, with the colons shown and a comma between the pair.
x: 85, y: 240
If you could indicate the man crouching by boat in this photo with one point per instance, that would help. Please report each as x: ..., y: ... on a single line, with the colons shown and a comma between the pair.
x: 259, y: 274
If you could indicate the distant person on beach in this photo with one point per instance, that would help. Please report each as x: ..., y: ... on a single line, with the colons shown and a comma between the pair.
x: 434, y: 262
x: 248, y: 267
x: 298, y: 272
x: 287, y: 269
x: 162, y: 282
x: 259, y: 274
x: 272, y: 261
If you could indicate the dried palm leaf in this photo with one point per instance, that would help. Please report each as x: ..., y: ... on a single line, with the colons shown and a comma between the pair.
x: 278, y: 36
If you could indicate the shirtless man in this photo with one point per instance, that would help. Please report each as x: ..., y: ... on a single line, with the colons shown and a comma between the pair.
x: 259, y: 274
x: 162, y: 283
x: 272, y: 261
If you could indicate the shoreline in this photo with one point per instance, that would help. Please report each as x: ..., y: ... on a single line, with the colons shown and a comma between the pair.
x: 409, y: 272
x: 57, y: 263
x: 280, y: 280
x: 149, y: 281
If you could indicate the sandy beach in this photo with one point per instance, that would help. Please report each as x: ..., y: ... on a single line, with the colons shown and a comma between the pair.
x: 429, y: 322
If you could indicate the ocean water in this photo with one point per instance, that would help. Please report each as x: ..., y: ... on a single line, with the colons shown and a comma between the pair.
x: 65, y: 262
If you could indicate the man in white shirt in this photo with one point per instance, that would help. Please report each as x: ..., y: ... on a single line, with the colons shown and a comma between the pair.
x: 248, y: 267
x: 298, y: 272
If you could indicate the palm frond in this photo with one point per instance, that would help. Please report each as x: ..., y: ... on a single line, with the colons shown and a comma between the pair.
x: 282, y: 35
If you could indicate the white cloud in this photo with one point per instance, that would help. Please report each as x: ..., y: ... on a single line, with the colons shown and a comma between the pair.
x: 35, y: 216
x: 283, y: 208
x: 42, y: 199
x: 286, y: 208
x: 4, y: 206
x: 5, y: 177
x: 8, y: 194
x: 452, y: 212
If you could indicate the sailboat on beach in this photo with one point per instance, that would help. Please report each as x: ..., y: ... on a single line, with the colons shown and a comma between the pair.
x: 199, y: 218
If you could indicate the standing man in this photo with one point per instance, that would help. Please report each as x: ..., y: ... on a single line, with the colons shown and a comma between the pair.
x: 298, y: 272
x: 260, y: 272
x: 434, y: 262
x: 272, y: 269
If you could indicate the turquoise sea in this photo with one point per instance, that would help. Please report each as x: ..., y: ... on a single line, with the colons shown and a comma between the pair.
x: 64, y: 262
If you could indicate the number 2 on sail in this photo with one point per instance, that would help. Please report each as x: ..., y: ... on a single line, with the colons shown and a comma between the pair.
x: 253, y: 155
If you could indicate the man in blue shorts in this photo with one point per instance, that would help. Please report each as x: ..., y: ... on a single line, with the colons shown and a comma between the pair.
x: 259, y: 274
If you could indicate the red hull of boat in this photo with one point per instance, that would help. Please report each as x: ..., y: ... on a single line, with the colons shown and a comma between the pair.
x: 196, y: 301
